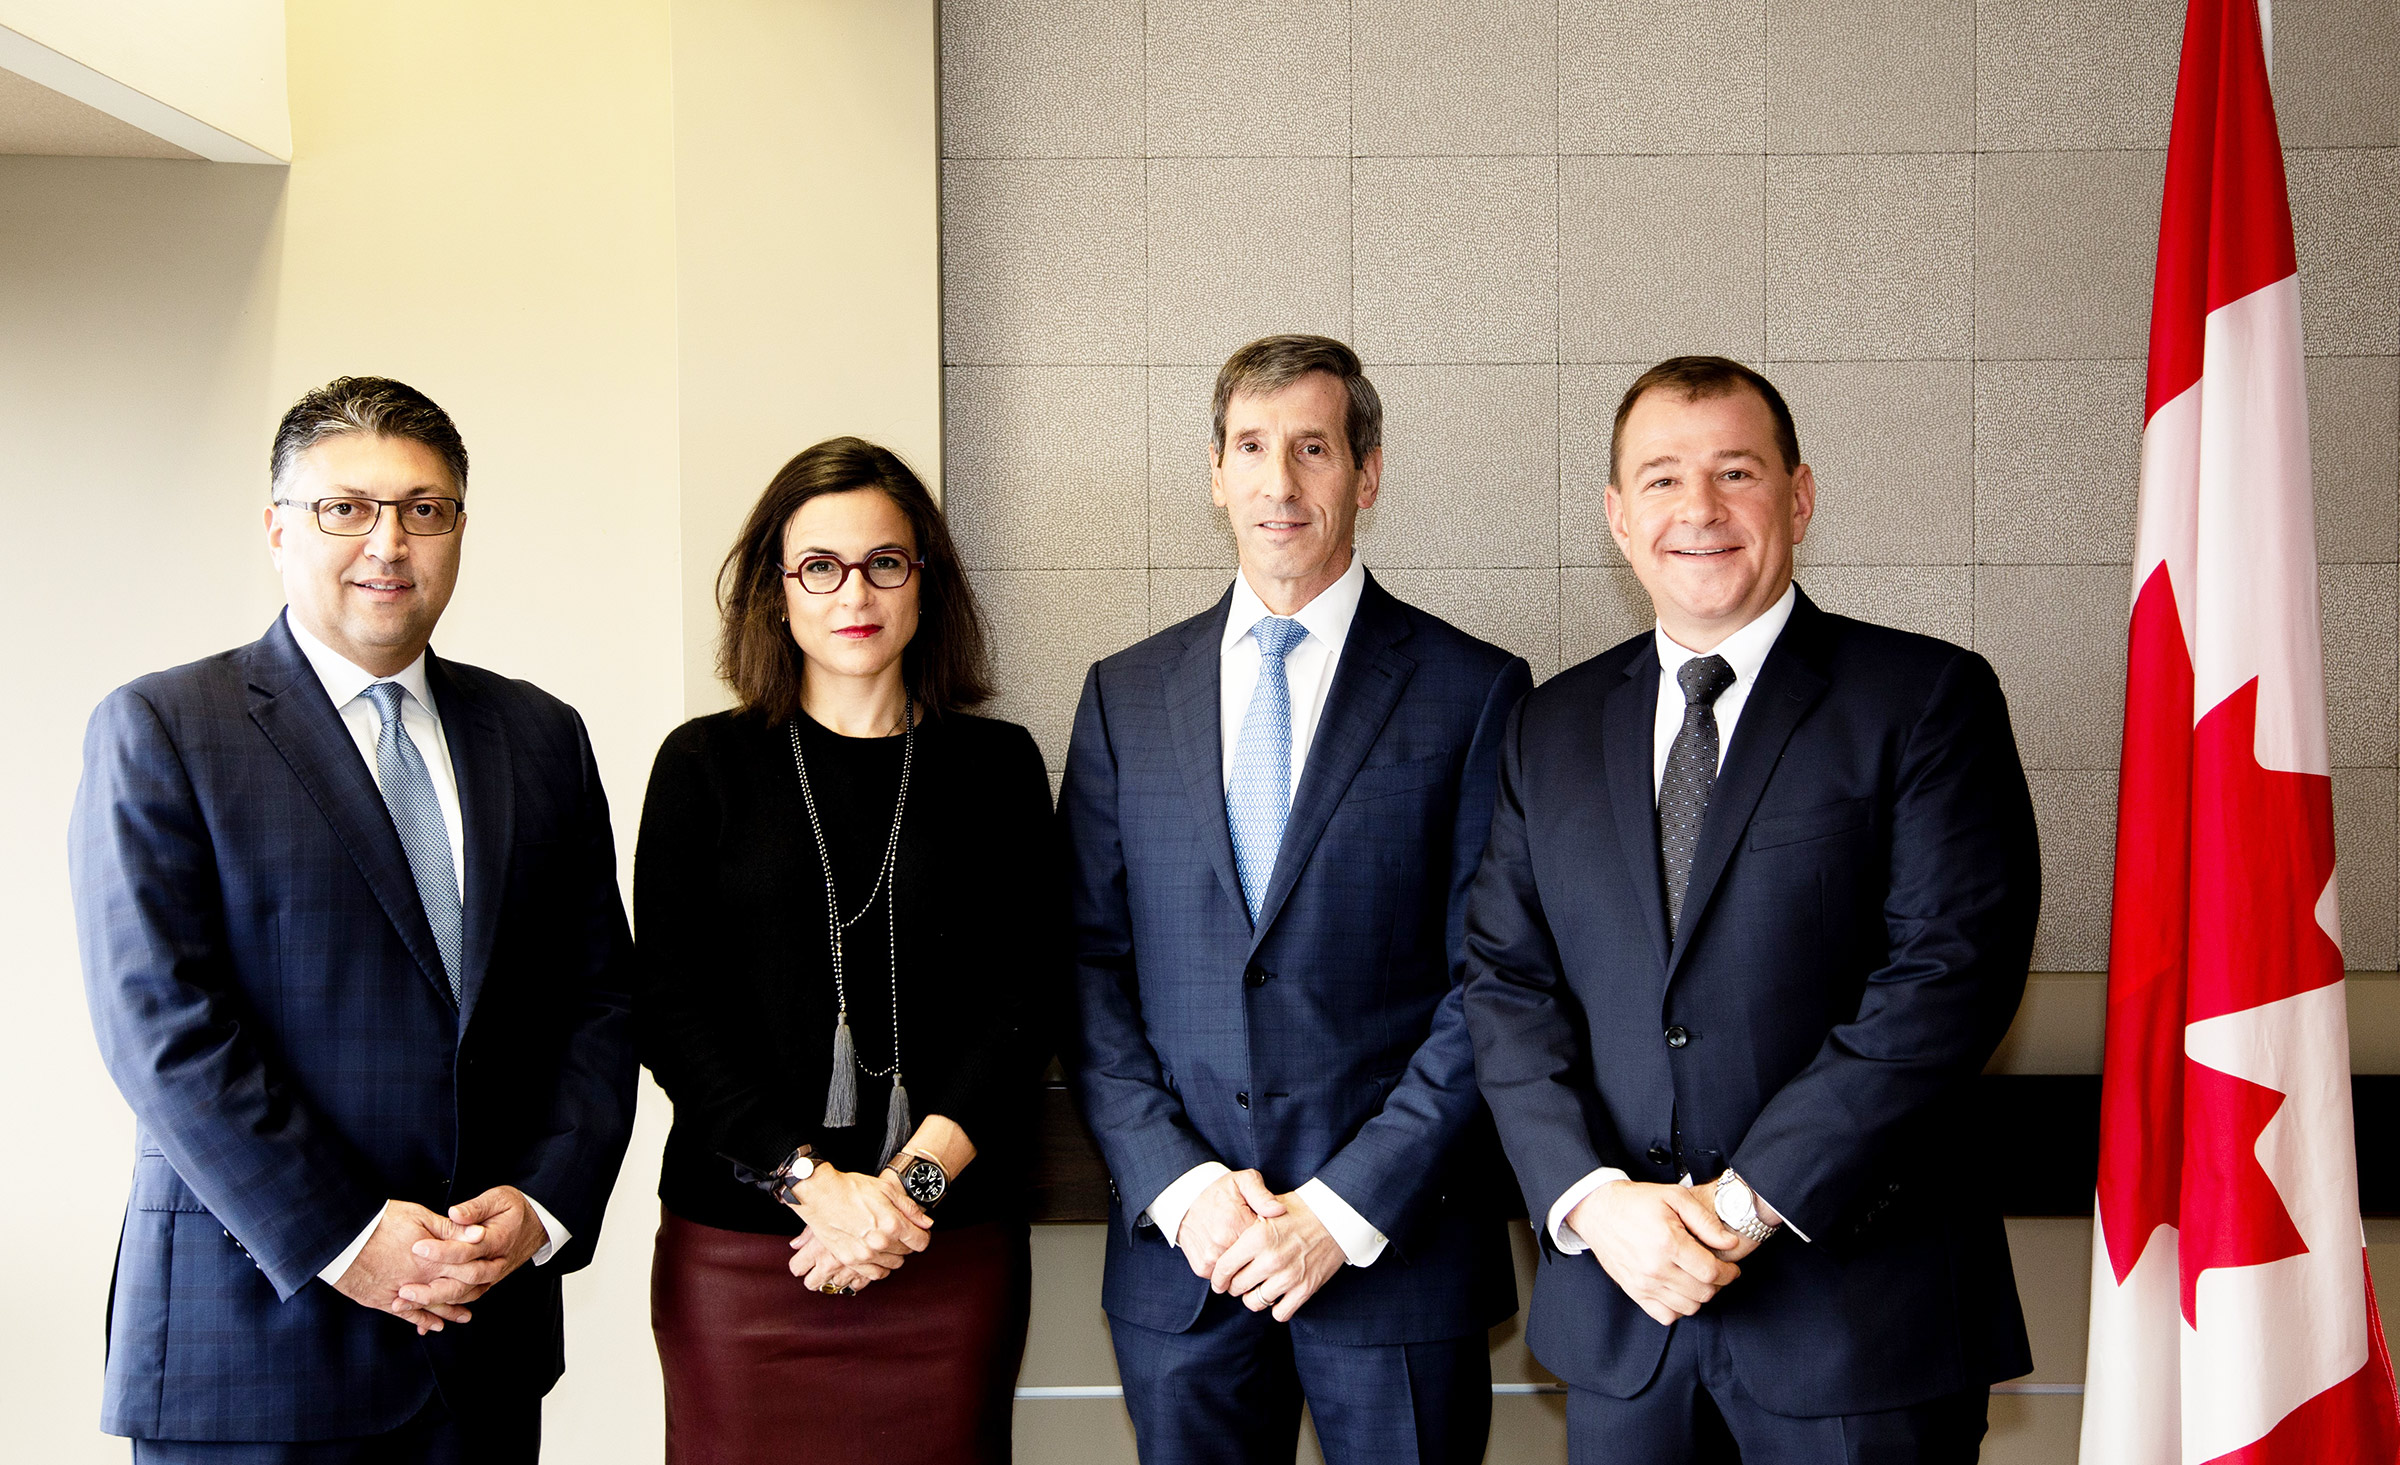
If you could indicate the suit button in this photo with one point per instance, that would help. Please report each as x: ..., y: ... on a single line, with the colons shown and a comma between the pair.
x: 1677, y: 1037
x: 1659, y: 1155
x: 1254, y: 977
x: 1242, y: 1099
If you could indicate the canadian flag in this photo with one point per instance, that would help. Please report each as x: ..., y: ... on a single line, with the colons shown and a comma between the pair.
x: 2232, y: 1315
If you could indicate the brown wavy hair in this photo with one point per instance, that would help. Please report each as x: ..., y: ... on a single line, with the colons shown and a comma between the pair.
x: 946, y: 665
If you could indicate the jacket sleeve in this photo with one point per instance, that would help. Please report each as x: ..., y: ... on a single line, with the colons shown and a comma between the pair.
x: 174, y: 1028
x: 1531, y: 1058
x: 697, y: 1019
x: 1018, y: 937
x: 1138, y: 1122
x: 1965, y: 888
x: 573, y: 1167
x: 1387, y: 1169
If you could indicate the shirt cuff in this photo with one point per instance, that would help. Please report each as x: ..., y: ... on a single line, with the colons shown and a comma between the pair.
x: 1166, y: 1212
x: 1563, y: 1235
x: 559, y: 1235
x: 333, y: 1270
x: 1360, y: 1241
x: 1786, y: 1222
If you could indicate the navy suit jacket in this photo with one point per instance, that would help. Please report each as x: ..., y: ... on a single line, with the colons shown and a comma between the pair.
x: 269, y: 999
x: 1327, y: 1041
x: 1854, y: 944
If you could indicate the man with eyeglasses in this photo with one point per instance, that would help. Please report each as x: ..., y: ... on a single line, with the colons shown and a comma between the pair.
x: 356, y: 958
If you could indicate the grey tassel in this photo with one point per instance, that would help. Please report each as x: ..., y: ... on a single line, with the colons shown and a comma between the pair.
x: 841, y: 1095
x: 896, y: 1128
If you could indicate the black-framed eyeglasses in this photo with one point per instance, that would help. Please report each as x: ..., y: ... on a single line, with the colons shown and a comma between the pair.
x: 823, y: 574
x: 351, y: 517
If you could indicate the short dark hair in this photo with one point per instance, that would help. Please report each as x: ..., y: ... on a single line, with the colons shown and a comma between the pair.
x: 1271, y: 363
x: 1697, y: 377
x: 946, y: 665
x: 375, y: 405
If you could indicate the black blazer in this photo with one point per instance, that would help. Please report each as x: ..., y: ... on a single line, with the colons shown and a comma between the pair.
x: 1856, y: 933
x: 268, y: 997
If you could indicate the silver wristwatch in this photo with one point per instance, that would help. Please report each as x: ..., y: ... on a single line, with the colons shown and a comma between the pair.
x: 1737, y: 1207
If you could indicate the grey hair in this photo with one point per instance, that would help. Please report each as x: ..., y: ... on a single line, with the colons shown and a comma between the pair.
x: 375, y: 405
x: 1271, y: 363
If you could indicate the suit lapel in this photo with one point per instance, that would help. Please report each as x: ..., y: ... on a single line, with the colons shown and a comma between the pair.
x: 1788, y: 685
x: 1629, y: 729
x: 290, y: 708
x: 1195, y: 719
x: 1366, y: 687
x: 479, y: 758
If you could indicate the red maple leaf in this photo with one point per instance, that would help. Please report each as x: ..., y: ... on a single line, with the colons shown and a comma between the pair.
x: 2220, y: 864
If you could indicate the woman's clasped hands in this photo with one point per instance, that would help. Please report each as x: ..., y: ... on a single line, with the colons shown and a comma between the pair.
x: 859, y: 1229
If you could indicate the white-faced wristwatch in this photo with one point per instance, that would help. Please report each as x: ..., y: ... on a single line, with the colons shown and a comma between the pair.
x: 784, y: 1184
x: 1737, y: 1207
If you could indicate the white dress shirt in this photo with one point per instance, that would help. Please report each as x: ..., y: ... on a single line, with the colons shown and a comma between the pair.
x: 344, y: 683
x: 1309, y: 668
x: 1745, y: 651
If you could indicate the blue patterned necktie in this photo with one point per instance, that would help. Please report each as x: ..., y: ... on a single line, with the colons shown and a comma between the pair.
x: 1258, y: 798
x: 417, y: 814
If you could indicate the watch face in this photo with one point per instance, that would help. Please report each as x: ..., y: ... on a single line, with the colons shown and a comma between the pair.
x: 924, y: 1181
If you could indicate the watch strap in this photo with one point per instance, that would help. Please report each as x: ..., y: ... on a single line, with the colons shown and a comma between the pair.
x: 1754, y: 1226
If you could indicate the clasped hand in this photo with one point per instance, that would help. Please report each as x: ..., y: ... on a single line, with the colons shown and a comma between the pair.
x: 424, y: 1267
x: 1662, y: 1244
x: 859, y: 1229
x: 1269, y: 1250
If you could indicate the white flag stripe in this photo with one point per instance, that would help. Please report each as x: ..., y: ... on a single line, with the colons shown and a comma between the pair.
x: 2255, y: 605
x: 2274, y: 1336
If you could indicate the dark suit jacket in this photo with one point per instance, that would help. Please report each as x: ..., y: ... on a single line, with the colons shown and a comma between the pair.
x: 268, y: 997
x: 1327, y: 1042
x: 1855, y: 938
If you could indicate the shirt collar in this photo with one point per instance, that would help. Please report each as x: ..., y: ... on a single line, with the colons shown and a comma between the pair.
x: 1327, y: 617
x: 344, y: 679
x: 1745, y: 650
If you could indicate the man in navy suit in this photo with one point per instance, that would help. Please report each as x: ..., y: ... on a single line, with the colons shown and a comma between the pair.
x: 356, y: 958
x: 1275, y: 808
x: 1757, y: 908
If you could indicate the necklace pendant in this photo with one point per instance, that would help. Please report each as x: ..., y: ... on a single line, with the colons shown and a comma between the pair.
x: 841, y: 1092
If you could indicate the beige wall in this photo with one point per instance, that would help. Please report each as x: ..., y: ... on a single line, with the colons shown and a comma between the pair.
x: 809, y: 257
x: 523, y: 209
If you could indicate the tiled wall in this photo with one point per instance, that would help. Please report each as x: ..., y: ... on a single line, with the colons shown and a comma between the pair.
x: 1930, y: 221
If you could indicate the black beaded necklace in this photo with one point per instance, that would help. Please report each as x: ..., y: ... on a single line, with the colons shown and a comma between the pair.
x: 841, y: 1094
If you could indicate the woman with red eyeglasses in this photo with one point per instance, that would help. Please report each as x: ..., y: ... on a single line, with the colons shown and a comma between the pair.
x: 850, y: 922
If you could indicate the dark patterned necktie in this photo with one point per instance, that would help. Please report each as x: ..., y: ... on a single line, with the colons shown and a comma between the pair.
x: 1691, y: 772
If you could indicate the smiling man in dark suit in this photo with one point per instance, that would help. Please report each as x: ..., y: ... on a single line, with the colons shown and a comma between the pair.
x: 1275, y: 808
x: 1757, y: 907
x: 356, y: 958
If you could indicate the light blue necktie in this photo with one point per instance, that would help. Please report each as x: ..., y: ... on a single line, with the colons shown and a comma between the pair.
x: 1258, y: 798
x: 408, y: 793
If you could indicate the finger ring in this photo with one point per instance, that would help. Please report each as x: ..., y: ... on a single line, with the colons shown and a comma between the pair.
x: 831, y: 1289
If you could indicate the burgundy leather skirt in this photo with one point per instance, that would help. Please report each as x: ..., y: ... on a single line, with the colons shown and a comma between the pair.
x: 921, y: 1366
